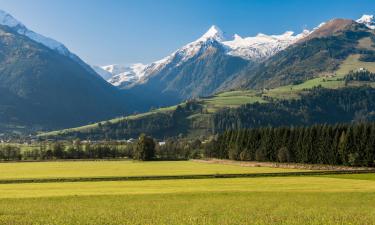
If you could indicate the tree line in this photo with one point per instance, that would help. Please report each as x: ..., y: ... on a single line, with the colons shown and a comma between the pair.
x: 352, y: 144
x: 145, y: 148
x: 340, y: 144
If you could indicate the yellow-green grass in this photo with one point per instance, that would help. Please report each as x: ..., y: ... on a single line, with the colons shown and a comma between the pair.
x: 63, y: 169
x: 270, y: 184
x: 231, y: 99
x: 288, y: 200
x: 370, y: 176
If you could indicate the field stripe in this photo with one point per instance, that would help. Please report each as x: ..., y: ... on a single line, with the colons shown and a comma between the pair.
x: 180, y: 177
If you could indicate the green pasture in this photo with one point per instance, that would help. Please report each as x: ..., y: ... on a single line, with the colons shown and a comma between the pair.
x: 76, y: 169
x: 273, y: 200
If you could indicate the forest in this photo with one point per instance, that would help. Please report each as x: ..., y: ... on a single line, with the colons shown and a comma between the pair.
x: 352, y: 144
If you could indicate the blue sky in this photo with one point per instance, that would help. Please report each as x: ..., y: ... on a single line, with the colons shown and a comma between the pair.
x: 128, y: 31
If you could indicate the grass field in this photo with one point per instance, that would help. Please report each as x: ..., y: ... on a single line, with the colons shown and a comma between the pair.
x: 65, y: 169
x: 231, y: 99
x: 289, y: 200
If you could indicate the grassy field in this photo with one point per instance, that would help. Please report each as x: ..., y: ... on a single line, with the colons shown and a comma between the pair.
x: 23, y: 170
x: 231, y: 99
x: 289, y: 200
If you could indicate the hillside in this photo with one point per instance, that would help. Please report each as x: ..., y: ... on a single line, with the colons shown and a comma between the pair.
x: 44, y: 89
x: 331, y: 100
x: 318, y: 55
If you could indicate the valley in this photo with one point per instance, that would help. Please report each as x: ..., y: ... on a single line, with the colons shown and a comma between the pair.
x: 208, y: 106
x: 161, y: 123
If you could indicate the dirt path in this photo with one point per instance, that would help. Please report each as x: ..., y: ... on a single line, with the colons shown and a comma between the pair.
x: 284, y: 165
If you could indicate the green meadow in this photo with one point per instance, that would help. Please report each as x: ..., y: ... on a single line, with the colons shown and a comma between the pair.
x: 334, y: 199
x: 66, y: 169
x: 273, y: 200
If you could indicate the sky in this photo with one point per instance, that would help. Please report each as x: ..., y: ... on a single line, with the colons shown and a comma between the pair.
x: 104, y: 32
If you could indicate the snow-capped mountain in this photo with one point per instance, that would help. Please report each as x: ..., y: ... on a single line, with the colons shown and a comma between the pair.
x: 368, y: 20
x: 8, y: 20
x: 125, y: 76
x: 119, y: 75
x: 262, y: 46
x: 256, y: 49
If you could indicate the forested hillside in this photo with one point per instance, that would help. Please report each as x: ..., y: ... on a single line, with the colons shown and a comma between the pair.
x: 318, y: 105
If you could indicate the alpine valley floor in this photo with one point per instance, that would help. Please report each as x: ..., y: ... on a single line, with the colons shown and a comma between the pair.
x: 333, y: 199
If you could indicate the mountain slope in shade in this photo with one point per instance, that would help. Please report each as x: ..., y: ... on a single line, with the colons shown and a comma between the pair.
x: 41, y: 88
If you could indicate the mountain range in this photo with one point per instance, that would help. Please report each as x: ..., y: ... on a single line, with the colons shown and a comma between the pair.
x: 45, y: 86
x: 208, y: 65
x: 200, y: 68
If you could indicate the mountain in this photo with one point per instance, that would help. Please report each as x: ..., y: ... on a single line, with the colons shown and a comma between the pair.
x: 304, y: 83
x: 45, y: 86
x: 320, y: 53
x: 200, y: 68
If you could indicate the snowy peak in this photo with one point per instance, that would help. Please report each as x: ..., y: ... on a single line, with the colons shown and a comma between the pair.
x: 262, y: 46
x: 213, y: 33
x: 8, y: 20
x: 119, y: 75
x: 367, y: 20
x: 114, y: 69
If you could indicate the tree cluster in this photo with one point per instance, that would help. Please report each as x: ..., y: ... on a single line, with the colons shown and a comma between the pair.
x: 360, y: 75
x: 319, y: 144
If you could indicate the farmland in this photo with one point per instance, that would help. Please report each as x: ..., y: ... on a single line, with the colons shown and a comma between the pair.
x: 289, y: 200
x: 333, y: 199
x: 65, y: 169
